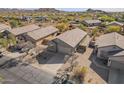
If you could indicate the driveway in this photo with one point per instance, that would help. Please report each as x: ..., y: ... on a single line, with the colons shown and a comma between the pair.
x: 52, y: 65
x: 92, y: 76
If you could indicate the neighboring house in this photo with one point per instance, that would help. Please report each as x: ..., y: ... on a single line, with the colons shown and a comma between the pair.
x: 41, y: 18
x: 46, y: 33
x: 4, y: 27
x: 20, y: 32
x: 90, y: 23
x: 109, y: 44
x: 116, y: 64
x: 115, y: 23
x: 117, y: 60
x: 68, y: 42
x: 26, y: 18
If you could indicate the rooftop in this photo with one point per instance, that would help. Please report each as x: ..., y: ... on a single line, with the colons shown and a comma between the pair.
x: 4, y: 27
x: 42, y: 32
x: 110, y: 39
x: 119, y: 54
x: 72, y: 37
x: 92, y: 21
x: 24, y: 29
x: 115, y: 22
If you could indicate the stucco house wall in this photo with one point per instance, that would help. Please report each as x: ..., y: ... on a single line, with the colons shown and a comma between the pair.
x: 117, y: 65
x: 61, y: 47
x: 102, y: 52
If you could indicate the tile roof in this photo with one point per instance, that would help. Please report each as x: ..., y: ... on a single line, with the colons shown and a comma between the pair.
x: 115, y: 22
x: 72, y: 37
x: 92, y: 21
x: 24, y: 29
x: 110, y: 39
x: 42, y: 32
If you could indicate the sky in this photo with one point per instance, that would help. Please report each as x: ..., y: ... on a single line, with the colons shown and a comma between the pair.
x: 83, y: 9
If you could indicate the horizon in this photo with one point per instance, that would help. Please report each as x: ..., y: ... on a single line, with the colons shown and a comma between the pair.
x: 84, y: 9
x: 79, y: 9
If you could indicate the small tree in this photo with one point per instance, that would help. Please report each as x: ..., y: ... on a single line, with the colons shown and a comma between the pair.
x: 11, y: 39
x: 14, y: 23
x: 63, y: 26
x: 95, y: 31
x: 4, y: 42
x: 107, y: 18
x: 81, y: 26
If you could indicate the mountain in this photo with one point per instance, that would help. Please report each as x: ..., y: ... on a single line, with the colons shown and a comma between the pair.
x: 28, y: 10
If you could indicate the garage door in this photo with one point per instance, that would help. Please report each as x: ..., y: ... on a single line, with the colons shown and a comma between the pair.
x: 65, y: 50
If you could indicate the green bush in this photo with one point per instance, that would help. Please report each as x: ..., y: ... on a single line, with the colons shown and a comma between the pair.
x: 107, y: 18
x: 113, y: 29
x: 5, y: 42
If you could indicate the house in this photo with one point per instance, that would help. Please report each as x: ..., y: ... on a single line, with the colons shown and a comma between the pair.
x: 21, y: 31
x: 109, y: 44
x: 38, y: 36
x: 91, y: 23
x: 115, y: 23
x: 4, y: 27
x: 41, y: 18
x: 68, y: 42
x: 26, y: 18
x: 117, y: 60
x: 116, y: 64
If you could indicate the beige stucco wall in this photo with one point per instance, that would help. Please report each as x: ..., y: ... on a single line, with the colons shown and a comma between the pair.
x: 119, y: 58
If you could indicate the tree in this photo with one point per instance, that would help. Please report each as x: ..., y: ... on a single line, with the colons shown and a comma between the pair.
x: 4, y: 42
x: 80, y: 73
x: 14, y: 23
x: 63, y: 26
x: 81, y: 26
x: 11, y: 39
x: 107, y: 18
x: 95, y: 31
x: 1, y: 35
x: 8, y: 40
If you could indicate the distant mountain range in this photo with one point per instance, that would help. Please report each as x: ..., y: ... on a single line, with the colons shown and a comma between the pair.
x: 60, y: 10
x: 28, y: 10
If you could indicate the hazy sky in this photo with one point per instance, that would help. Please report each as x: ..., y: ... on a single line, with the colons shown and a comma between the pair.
x: 83, y: 9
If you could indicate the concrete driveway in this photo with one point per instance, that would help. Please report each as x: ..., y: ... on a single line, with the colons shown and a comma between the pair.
x: 92, y: 75
x: 52, y: 65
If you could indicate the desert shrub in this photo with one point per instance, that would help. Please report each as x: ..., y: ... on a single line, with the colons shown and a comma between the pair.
x: 113, y: 29
x: 80, y: 73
